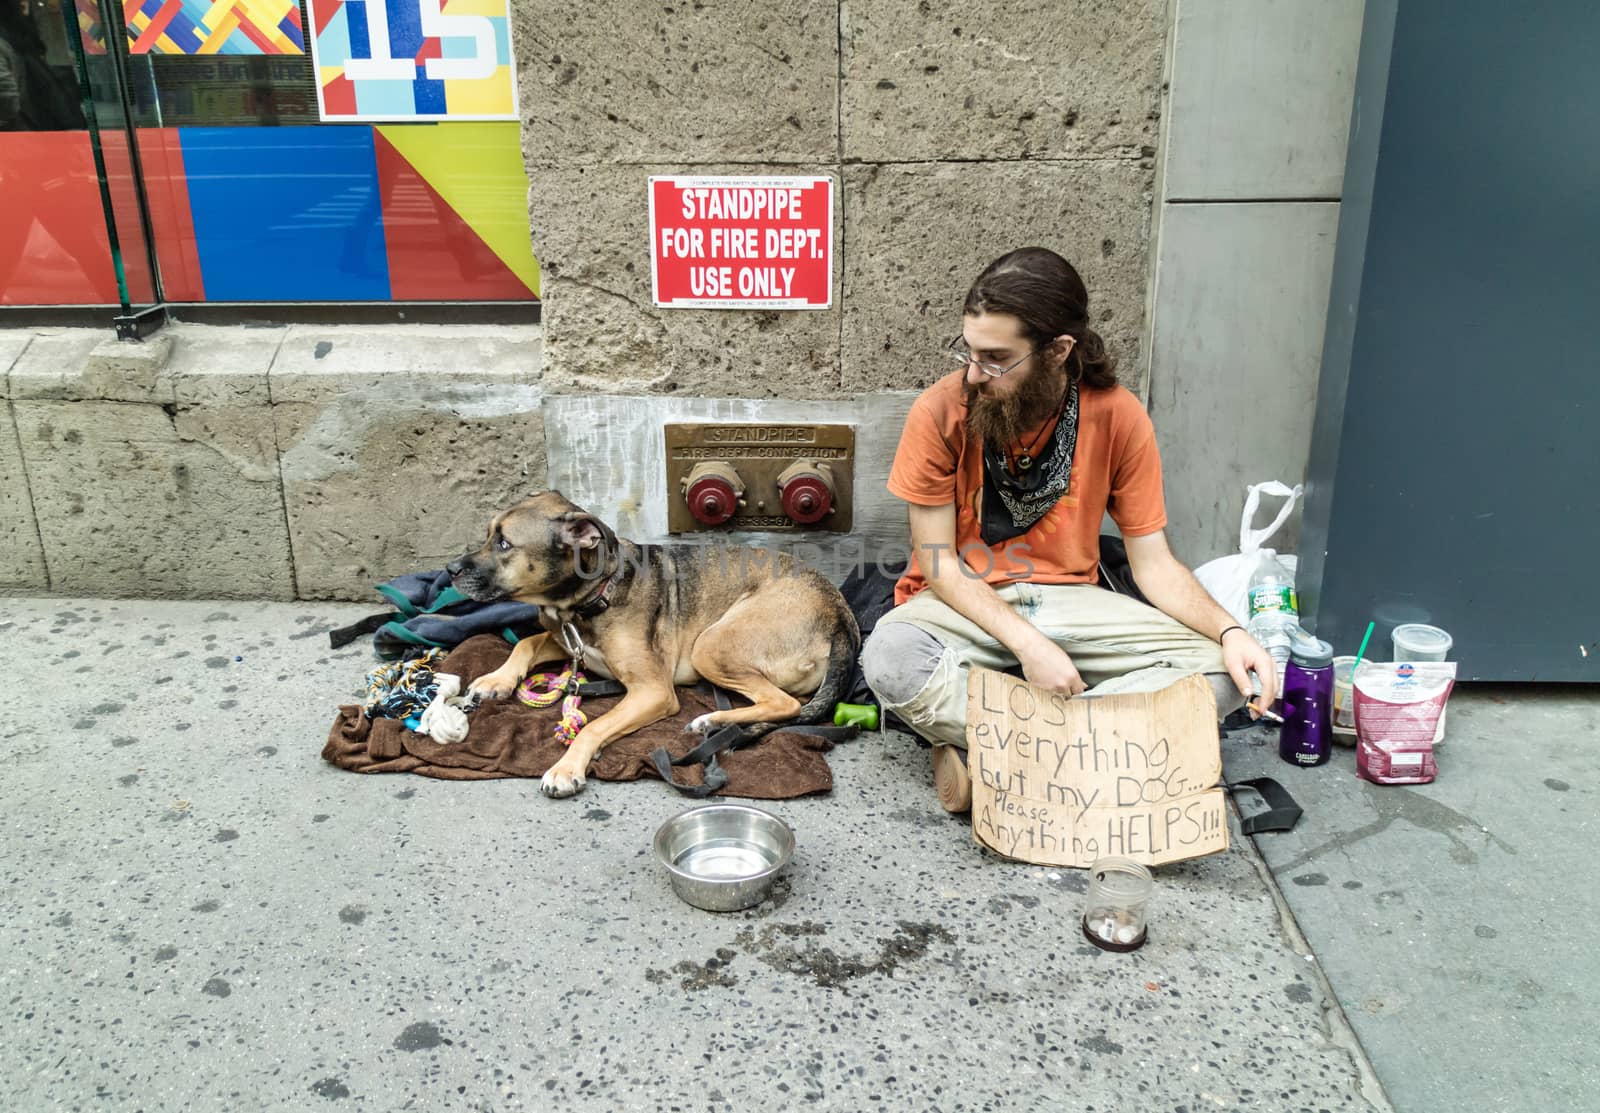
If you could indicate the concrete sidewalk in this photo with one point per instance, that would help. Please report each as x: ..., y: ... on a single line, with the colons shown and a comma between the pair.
x: 1454, y: 919
x: 199, y: 914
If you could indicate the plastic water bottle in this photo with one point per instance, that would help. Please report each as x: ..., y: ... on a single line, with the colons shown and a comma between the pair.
x: 1274, y: 609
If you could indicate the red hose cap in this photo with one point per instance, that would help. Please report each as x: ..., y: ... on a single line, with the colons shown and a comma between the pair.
x: 711, y: 500
x: 807, y: 499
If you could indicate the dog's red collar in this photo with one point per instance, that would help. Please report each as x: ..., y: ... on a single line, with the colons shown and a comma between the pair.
x: 599, y: 602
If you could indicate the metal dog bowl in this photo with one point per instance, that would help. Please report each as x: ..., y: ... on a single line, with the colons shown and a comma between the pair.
x: 724, y: 857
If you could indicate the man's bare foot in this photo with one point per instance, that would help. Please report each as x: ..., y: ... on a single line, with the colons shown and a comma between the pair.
x: 951, y: 780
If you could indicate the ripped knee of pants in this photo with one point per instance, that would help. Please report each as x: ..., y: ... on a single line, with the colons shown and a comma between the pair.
x: 898, y: 660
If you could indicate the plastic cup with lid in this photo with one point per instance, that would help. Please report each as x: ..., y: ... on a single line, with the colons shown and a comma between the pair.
x: 1416, y: 641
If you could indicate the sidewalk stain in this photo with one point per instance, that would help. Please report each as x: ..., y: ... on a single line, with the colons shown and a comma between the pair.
x: 331, y: 1088
x: 1395, y: 802
x: 829, y: 969
x: 700, y: 975
x: 1101, y: 1045
x: 419, y: 1037
x: 773, y: 946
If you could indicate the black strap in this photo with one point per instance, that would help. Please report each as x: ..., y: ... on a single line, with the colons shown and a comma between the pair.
x: 1282, y: 814
x: 722, y: 739
x: 599, y: 602
x: 729, y: 736
x: 822, y: 730
x: 344, y: 635
x: 599, y: 689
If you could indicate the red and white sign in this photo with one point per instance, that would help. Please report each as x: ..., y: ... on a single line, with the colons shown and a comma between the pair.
x: 741, y: 243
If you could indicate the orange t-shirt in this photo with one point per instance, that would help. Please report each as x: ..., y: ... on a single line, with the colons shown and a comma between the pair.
x: 1116, y: 466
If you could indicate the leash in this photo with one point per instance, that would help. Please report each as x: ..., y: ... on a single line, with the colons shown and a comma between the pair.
x: 569, y: 687
x: 729, y: 736
x: 543, y: 689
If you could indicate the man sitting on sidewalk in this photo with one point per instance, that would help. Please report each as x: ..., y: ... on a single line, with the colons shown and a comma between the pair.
x: 1008, y: 465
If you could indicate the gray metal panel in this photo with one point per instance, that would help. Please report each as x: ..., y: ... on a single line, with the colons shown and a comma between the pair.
x: 1454, y: 480
x: 1241, y: 292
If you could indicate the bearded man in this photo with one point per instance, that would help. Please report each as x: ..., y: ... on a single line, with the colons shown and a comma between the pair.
x: 1009, y: 464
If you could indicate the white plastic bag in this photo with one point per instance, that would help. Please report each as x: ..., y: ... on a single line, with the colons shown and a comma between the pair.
x: 1228, y: 578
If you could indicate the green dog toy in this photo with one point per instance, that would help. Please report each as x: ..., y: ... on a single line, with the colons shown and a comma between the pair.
x: 863, y: 715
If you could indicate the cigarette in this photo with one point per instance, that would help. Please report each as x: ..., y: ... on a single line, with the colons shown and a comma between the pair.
x: 1264, y: 713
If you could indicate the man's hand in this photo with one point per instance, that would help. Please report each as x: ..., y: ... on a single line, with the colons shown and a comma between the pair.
x: 1048, y: 666
x: 1243, y: 655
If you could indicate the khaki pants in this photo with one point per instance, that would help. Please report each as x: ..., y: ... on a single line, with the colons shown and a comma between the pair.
x: 920, y: 653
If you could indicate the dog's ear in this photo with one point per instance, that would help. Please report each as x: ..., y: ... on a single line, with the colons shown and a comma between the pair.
x: 580, y: 530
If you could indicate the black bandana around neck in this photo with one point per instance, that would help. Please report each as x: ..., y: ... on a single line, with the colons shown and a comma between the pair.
x: 1013, y: 503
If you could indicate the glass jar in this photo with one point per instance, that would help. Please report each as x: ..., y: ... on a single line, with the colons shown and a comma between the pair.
x: 1119, y: 890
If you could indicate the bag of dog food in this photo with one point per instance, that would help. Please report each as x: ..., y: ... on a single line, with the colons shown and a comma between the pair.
x: 1398, y: 705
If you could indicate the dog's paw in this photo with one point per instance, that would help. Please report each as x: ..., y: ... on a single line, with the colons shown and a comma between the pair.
x: 492, y: 685
x: 700, y: 724
x: 559, y: 782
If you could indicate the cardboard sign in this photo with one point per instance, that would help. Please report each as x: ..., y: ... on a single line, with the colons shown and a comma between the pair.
x: 1061, y: 781
x: 741, y: 243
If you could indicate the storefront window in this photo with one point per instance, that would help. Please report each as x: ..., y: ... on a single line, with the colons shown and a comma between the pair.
x: 262, y: 151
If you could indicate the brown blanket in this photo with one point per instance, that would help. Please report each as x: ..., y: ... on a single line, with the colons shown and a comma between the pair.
x: 507, y: 738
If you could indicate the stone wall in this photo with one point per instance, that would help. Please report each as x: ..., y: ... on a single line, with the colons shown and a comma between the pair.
x: 954, y: 132
x: 272, y: 463
x: 311, y: 462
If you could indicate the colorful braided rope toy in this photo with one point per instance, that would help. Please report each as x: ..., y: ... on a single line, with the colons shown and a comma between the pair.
x: 555, y: 686
x: 401, y: 689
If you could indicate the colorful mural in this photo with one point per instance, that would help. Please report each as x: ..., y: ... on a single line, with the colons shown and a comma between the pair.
x: 214, y: 27
x: 91, y: 28
x: 309, y: 213
x: 400, y: 60
x: 455, y: 202
x: 53, y: 246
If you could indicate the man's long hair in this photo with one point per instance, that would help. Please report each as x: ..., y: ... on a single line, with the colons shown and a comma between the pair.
x: 1045, y: 293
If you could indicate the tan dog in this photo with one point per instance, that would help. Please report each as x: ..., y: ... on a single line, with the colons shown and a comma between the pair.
x: 654, y: 616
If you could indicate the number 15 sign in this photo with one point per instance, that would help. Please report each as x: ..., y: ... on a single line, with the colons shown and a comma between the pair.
x: 382, y: 60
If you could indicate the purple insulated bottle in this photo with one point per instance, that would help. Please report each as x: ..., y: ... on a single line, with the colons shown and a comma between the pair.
x: 1306, y: 737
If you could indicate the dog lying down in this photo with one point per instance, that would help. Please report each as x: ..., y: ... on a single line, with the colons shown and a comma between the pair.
x: 655, y: 616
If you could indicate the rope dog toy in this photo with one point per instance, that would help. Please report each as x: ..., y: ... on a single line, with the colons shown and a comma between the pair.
x: 445, y: 719
x: 401, y: 689
x: 561, y: 686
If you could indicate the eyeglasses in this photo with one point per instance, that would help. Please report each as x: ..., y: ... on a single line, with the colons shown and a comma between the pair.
x: 959, y: 353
